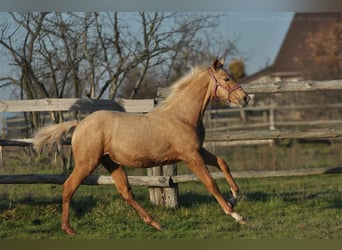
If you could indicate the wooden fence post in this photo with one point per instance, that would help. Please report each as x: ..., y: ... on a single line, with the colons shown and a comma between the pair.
x: 164, y: 196
x: 2, y: 162
x: 272, y: 119
x: 3, y: 133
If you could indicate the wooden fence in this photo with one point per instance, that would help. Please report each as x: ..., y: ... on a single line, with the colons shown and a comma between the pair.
x: 163, y: 180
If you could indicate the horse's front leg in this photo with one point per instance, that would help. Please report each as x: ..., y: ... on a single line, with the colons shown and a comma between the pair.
x: 196, y: 163
x: 213, y: 160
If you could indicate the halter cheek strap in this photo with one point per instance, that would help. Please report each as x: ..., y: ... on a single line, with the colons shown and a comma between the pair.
x: 217, y: 84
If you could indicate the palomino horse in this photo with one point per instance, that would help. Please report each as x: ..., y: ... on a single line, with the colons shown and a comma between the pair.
x: 171, y: 133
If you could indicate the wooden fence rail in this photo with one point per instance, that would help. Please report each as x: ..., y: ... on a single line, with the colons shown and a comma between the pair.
x: 74, y: 104
x: 280, y: 87
x: 161, y: 181
x: 145, y: 105
x: 166, y: 181
x: 299, y: 86
x: 153, y: 181
x: 275, y: 134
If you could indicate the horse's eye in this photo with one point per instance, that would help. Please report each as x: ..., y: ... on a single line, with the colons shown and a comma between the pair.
x: 227, y: 79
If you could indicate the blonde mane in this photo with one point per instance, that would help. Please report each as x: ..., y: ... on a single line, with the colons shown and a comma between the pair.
x: 182, y: 83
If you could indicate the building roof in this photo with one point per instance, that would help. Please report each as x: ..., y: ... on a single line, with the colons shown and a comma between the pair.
x: 302, y: 25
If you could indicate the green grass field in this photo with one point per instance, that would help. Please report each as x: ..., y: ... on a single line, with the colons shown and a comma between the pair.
x: 276, y: 208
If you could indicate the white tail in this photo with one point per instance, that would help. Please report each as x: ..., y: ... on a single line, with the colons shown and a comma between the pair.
x: 52, y: 135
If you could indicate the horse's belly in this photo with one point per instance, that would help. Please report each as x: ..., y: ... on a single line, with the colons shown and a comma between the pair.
x: 140, y: 141
x: 143, y: 156
x: 146, y: 163
x: 138, y: 161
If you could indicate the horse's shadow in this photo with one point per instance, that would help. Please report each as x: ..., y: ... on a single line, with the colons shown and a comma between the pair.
x: 257, y: 196
x: 191, y: 199
x: 83, y: 206
x: 7, y: 203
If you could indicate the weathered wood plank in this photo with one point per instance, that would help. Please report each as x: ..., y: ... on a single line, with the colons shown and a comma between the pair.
x: 278, y: 87
x: 166, y: 196
x: 74, y: 104
x: 275, y: 107
x: 137, y: 105
x: 1, y: 156
x: 275, y: 134
x: 262, y: 174
x: 325, y: 123
x: 239, y: 143
x: 299, y: 86
x: 16, y: 142
x: 145, y: 105
x: 158, y: 181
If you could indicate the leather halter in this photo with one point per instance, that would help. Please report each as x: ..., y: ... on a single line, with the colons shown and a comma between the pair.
x: 218, y: 84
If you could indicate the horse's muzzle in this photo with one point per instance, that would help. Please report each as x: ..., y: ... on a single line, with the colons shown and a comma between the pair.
x: 244, y: 101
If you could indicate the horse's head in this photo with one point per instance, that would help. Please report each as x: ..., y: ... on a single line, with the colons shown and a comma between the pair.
x: 225, y: 87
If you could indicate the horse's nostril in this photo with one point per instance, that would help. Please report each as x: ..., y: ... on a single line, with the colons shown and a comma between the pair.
x: 246, y: 99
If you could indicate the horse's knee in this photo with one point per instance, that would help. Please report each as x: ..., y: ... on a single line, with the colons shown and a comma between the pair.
x: 127, y: 197
x: 222, y: 163
x: 125, y: 193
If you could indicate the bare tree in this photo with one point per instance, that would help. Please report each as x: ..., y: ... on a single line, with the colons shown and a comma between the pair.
x: 77, y: 54
x: 102, y: 55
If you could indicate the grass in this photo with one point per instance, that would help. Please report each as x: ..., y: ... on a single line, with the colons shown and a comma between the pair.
x: 278, y: 208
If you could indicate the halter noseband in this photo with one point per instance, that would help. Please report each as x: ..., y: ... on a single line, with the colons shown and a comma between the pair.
x: 217, y: 84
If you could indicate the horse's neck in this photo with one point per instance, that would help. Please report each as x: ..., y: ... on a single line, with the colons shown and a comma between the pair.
x: 189, y: 105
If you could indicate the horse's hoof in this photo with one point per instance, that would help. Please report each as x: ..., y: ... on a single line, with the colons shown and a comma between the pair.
x: 238, y: 218
x: 232, y: 202
x: 157, y: 226
x: 242, y: 221
x: 69, y: 231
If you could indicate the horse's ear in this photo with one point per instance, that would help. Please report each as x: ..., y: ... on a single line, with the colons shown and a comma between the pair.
x: 216, y: 65
x: 222, y: 61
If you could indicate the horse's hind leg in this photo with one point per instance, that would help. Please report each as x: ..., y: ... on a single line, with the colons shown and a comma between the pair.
x: 69, y: 188
x: 121, y: 182
x: 81, y: 171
